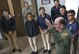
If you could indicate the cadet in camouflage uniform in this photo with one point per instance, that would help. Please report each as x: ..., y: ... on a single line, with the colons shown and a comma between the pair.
x: 61, y: 35
x: 26, y: 10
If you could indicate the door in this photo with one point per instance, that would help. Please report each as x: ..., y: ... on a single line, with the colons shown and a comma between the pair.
x: 19, y: 19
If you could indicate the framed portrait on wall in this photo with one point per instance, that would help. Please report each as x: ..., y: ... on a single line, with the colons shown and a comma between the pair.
x: 44, y: 2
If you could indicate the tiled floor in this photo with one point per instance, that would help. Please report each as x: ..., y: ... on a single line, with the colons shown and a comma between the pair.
x: 24, y: 45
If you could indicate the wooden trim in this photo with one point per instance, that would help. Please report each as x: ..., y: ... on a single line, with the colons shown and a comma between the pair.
x: 11, y: 7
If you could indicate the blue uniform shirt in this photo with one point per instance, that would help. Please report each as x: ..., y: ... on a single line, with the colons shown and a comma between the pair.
x: 73, y: 27
x: 41, y: 21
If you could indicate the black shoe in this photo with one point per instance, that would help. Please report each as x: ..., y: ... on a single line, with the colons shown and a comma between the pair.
x: 35, y: 52
x: 52, y: 44
x: 32, y: 52
x: 49, y: 51
x: 19, y: 50
x: 14, y: 50
x: 44, y: 51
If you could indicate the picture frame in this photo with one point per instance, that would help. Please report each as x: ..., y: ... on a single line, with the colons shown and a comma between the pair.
x: 45, y: 2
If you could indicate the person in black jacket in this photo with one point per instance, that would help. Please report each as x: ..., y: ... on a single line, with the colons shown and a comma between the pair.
x: 55, y: 10
x: 8, y: 27
x: 32, y: 30
x: 73, y: 26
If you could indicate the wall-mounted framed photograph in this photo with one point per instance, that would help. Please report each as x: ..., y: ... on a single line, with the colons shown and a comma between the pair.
x: 44, y: 2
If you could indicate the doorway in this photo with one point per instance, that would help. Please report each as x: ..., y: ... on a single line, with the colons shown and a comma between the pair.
x: 17, y: 6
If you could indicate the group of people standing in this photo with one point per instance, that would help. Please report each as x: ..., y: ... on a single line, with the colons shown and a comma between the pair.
x: 63, y: 21
x: 64, y: 28
x: 7, y: 25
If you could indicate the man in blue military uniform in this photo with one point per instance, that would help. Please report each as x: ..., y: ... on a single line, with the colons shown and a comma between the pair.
x: 42, y: 18
x: 72, y: 25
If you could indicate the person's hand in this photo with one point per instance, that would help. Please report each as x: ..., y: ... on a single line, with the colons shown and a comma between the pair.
x: 41, y: 30
x: 45, y: 31
x: 48, y: 23
x: 10, y: 32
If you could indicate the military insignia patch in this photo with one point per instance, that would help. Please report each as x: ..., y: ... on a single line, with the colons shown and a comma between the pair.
x: 64, y: 34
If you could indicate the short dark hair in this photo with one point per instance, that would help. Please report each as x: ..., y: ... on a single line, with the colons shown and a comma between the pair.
x: 56, y: 0
x: 25, y: 2
x: 63, y: 21
x: 29, y: 14
x: 71, y: 11
x: 63, y: 6
x: 4, y: 10
x: 41, y: 8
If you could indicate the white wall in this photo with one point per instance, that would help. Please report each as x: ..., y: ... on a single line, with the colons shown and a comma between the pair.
x: 48, y: 6
x: 70, y: 4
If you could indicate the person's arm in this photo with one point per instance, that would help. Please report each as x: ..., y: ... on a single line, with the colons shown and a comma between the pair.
x: 50, y: 19
x: 52, y: 13
x: 13, y: 24
x: 26, y: 28
x: 48, y: 23
x: 23, y: 13
x: 35, y: 28
x: 75, y: 32
x: 3, y: 28
x: 39, y: 25
x: 31, y: 11
x: 40, y: 29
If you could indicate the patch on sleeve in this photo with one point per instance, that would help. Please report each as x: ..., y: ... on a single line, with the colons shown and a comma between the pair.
x: 64, y: 34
